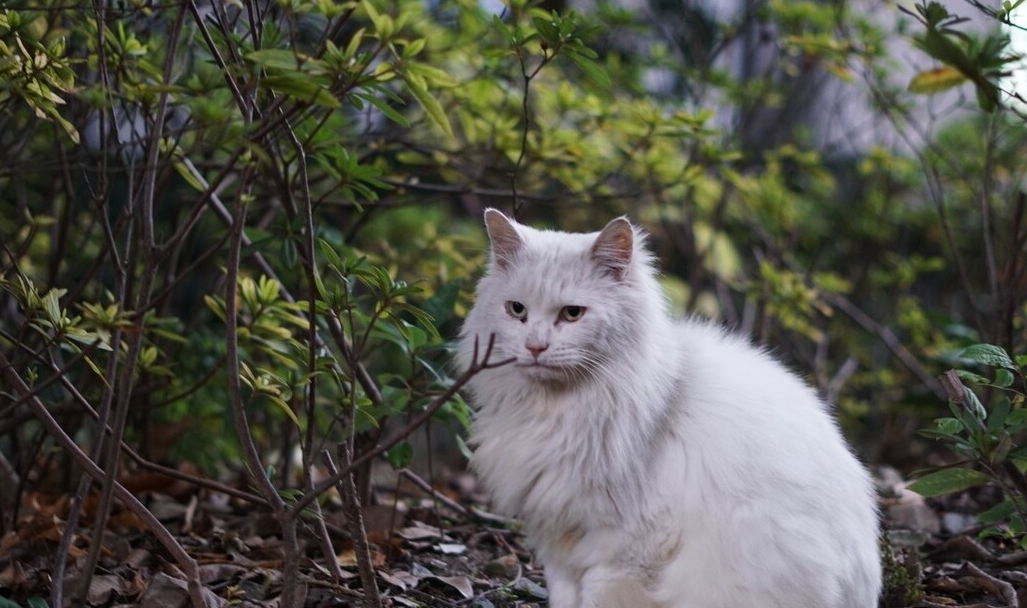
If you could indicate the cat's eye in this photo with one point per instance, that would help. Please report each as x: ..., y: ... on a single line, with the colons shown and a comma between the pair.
x: 572, y: 313
x: 516, y: 310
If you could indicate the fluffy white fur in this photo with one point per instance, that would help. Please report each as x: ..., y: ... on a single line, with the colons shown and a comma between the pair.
x: 654, y: 462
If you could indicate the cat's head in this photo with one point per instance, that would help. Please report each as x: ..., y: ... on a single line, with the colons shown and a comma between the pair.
x: 563, y: 305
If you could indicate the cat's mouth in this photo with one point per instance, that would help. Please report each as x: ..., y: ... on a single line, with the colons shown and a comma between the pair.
x: 541, y: 369
x: 534, y: 365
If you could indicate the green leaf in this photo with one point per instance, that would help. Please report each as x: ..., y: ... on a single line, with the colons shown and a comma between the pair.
x: 999, y: 412
x: 549, y: 30
x: 431, y: 106
x: 974, y: 406
x: 988, y: 354
x: 987, y: 94
x: 1016, y: 525
x: 302, y: 87
x: 1003, y: 378
x: 969, y: 376
x: 947, y: 481
x: 432, y: 75
x: 949, y: 426
x: 384, y: 108
x: 464, y: 448
x: 329, y: 252
x: 188, y: 176
x: 276, y: 59
x: 400, y: 455
x: 441, y: 305
x: 998, y: 513
x: 282, y: 405
x: 1017, y: 421
x: 592, y: 70
x: 946, y: 50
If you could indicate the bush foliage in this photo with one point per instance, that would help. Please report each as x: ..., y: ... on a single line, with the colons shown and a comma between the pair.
x: 241, y: 233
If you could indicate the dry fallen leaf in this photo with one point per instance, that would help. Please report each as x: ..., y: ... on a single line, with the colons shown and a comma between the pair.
x: 460, y: 583
x: 451, y: 548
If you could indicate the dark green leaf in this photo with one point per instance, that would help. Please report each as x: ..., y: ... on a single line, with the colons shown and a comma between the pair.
x: 988, y: 354
x: 998, y: 415
x: 997, y: 513
x: 400, y: 455
x: 987, y: 94
x: 947, y: 481
x: 385, y: 108
x: 440, y: 306
x: 329, y: 252
x: 547, y: 29
x: 969, y: 376
x: 948, y: 426
x: 974, y: 407
x: 1017, y: 420
x: 1003, y: 378
x: 592, y: 70
x: 464, y: 448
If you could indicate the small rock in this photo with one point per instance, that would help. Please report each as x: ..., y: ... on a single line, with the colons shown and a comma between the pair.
x: 529, y: 589
x: 505, y: 567
x: 906, y: 539
x: 955, y: 523
x: 911, y: 511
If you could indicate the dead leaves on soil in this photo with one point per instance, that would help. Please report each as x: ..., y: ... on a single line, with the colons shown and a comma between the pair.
x: 425, y: 554
x: 239, y: 554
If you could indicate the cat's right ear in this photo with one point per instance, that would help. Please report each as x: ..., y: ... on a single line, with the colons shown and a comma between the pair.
x: 504, y: 238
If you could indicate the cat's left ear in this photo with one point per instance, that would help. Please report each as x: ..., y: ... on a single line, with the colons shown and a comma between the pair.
x: 614, y: 246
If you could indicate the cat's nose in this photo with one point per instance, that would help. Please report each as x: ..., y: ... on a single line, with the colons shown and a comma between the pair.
x: 535, y: 349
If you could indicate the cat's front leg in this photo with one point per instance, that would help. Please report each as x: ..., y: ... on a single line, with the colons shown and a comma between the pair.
x: 562, y: 587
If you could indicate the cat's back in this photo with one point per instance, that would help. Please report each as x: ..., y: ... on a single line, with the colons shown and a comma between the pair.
x: 745, y: 419
x: 760, y: 464
x: 724, y: 379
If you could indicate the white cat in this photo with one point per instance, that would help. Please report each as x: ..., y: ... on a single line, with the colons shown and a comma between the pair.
x: 654, y: 462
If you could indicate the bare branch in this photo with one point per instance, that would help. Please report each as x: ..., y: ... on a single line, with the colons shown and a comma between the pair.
x: 477, y: 366
x: 185, y: 561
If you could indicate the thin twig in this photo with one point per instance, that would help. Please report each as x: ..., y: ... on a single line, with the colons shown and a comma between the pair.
x: 477, y: 365
x: 185, y: 561
x: 439, y: 496
x: 355, y: 520
x: 134, y: 341
x: 289, y: 596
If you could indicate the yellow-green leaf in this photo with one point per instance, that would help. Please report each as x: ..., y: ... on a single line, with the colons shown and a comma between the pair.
x: 936, y: 80
x: 431, y: 106
x: 188, y: 176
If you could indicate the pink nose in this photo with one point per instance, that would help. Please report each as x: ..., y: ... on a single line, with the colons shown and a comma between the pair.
x: 536, y: 349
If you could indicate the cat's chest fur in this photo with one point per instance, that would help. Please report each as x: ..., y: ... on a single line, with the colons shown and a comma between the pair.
x: 560, y: 458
